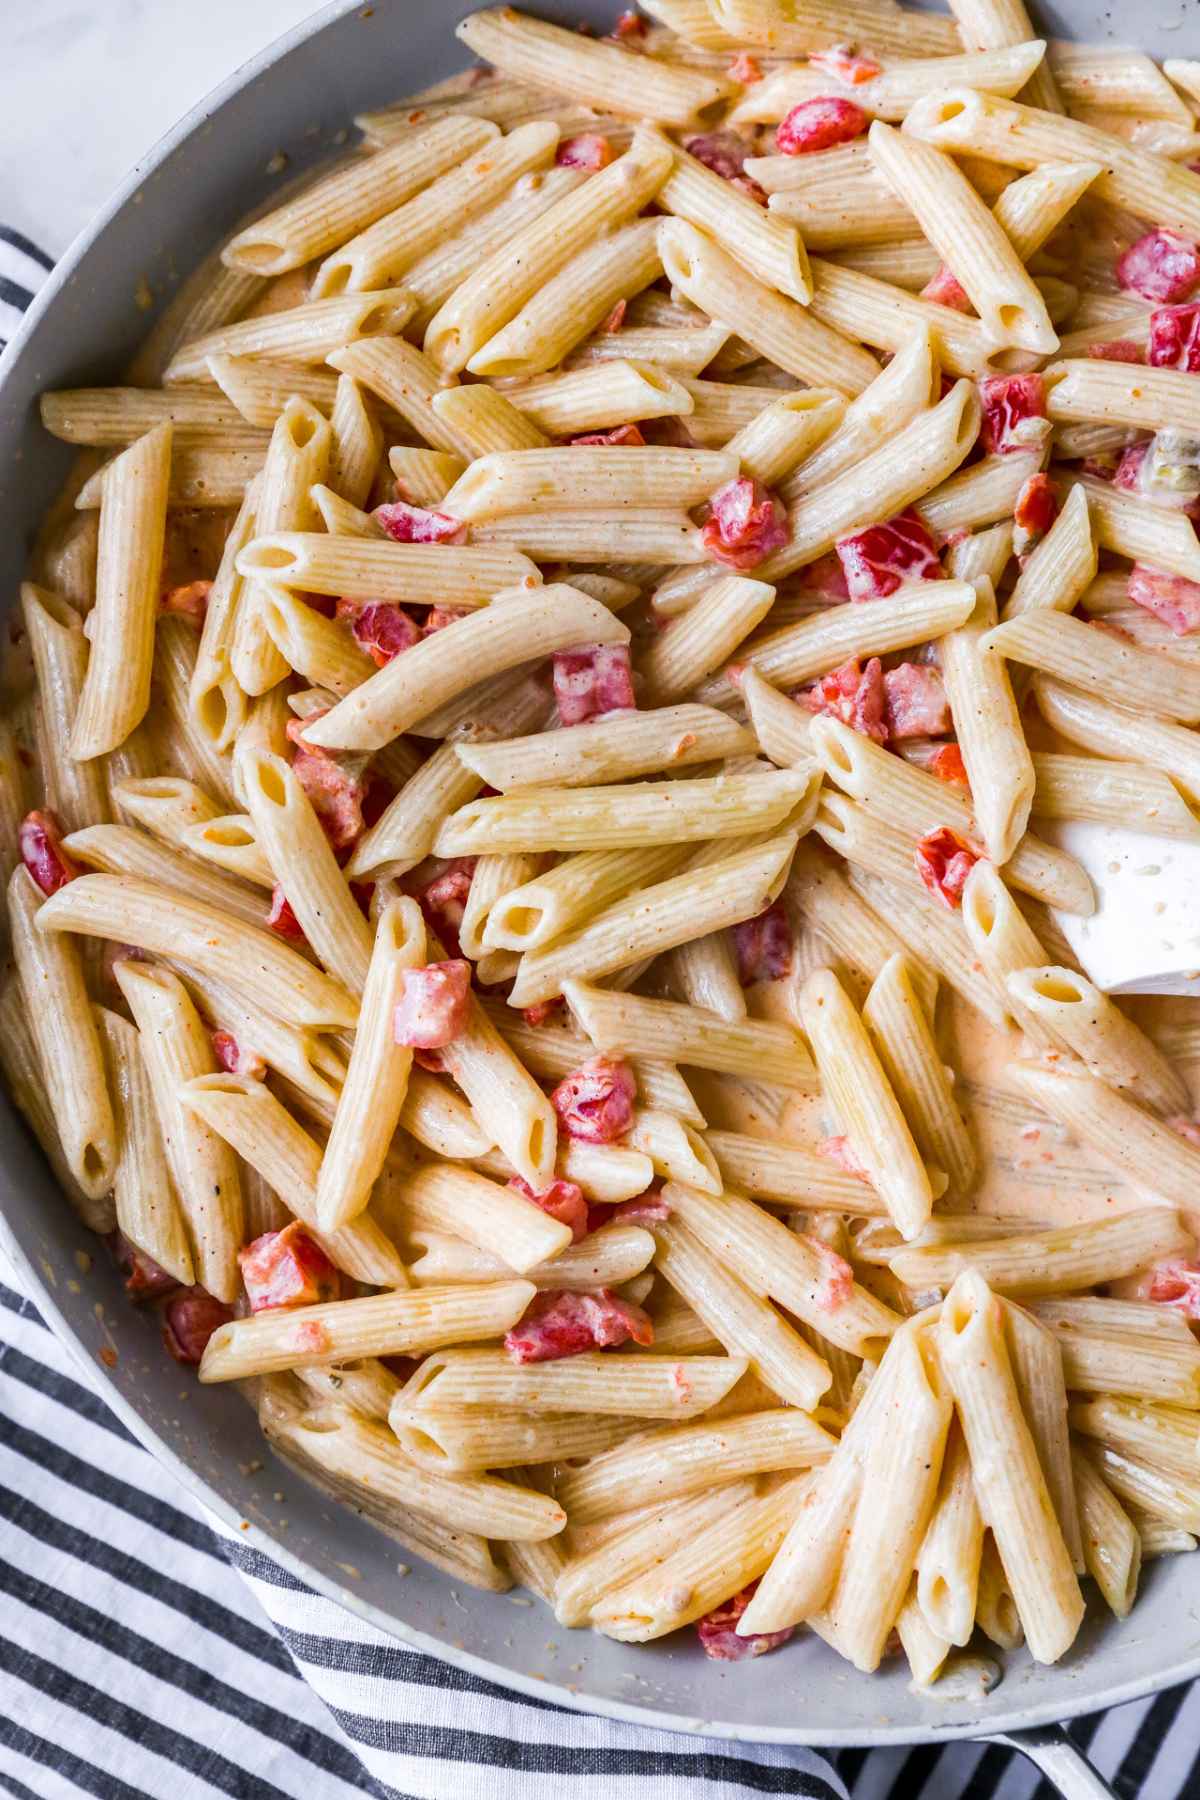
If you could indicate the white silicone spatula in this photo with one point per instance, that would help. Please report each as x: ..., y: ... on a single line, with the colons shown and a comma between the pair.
x: 1144, y: 937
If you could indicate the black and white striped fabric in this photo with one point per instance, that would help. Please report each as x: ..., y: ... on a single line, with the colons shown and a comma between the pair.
x: 144, y: 1651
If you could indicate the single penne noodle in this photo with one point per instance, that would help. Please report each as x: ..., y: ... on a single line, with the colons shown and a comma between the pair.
x: 1112, y: 731
x: 348, y: 200
x: 1132, y: 527
x: 466, y: 1205
x: 68, y: 1044
x: 703, y: 640
x: 1147, y: 1489
x: 642, y: 1386
x: 784, y: 433
x: 676, y: 1150
x: 575, y: 301
x: 216, y: 701
x: 605, y: 1258
x: 75, y: 791
x: 1158, y: 1538
x: 856, y: 1086
x: 1099, y: 663
x: 777, y: 328
x: 129, y: 911
x: 212, y: 475
x: 805, y: 27
x: 607, y: 1173
x: 367, y: 1387
x: 609, y: 476
x: 114, y: 417
x: 231, y: 842
x: 988, y: 726
x: 1037, y: 1367
x: 365, y: 568
x: 298, y: 850
x: 356, y: 446
x: 653, y: 534
x: 909, y: 263
x: 726, y: 806
x: 516, y: 627
x: 259, y: 391
x: 1110, y: 1046
x: 20, y: 1058
x: 177, y: 1048
x: 1050, y: 1262
x: 474, y: 1439
x: 889, y: 94
x: 133, y: 515
x: 497, y: 288
x: 903, y: 1039
x: 1162, y: 1435
x: 488, y: 420
x: 148, y: 1212
x: 305, y: 333
x: 1087, y: 787
x: 1058, y: 571
x: 381, y: 249
x: 372, y: 1097
x: 671, y: 912
x: 666, y: 1464
x: 1159, y: 1161
x: 669, y: 737
x: 949, y: 1557
x: 1094, y: 390
x: 788, y: 1174
x: 980, y: 495
x: 543, y: 908
x: 627, y: 1023
x: 1009, y: 1481
x: 1120, y: 80
x: 960, y: 120
x: 967, y: 237
x: 1112, y: 1546
x: 594, y: 398
x: 440, y: 1119
x: 403, y: 836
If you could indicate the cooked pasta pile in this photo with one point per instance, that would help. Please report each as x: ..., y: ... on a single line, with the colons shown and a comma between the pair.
x: 523, y: 796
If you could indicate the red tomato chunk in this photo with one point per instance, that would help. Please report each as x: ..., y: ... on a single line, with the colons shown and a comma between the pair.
x: 746, y: 524
x: 1160, y: 266
x: 914, y: 701
x: 562, y: 1200
x: 949, y: 767
x: 380, y: 628
x: 595, y: 1103
x: 1172, y: 598
x: 718, y: 1634
x: 287, y: 1268
x: 234, y: 1059
x: 946, y: 290
x: 40, y: 841
x: 1116, y: 350
x: 407, y: 524
x: 841, y: 1151
x: 745, y: 69
x: 438, y: 617
x: 443, y: 900
x: 591, y: 680
x: 1178, y: 1285
x: 852, y: 694
x: 650, y: 1208
x: 944, y: 860
x: 836, y: 1282
x: 587, y: 151
x: 877, y: 561
x: 763, y: 946
x: 282, y: 920
x: 620, y: 434
x: 1034, y: 513
x: 334, y: 785
x: 845, y: 63
x: 567, y: 1324
x: 629, y: 25
x: 1014, y: 413
x: 190, y: 601
x: 144, y: 1279
x: 819, y: 125
x: 434, y: 1005
x: 725, y: 153
x: 1175, y: 339
x: 189, y: 1320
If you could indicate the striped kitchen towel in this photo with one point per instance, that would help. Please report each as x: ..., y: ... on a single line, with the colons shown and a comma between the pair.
x: 146, y: 1652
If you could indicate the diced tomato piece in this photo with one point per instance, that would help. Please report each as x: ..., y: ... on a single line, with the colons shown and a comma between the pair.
x: 144, y: 1278
x: 650, y: 1208
x: 287, y: 1268
x: 188, y: 1321
x: 914, y: 701
x: 944, y: 860
x: 836, y: 1283
x: 1128, y: 473
x: 1034, y: 513
x: 282, y: 920
x: 1177, y: 1284
x: 595, y: 1102
x: 1175, y: 339
x: 882, y: 558
x: 718, y: 1634
x: 845, y: 63
x: 545, y: 1009
x: 841, y: 1151
x: 566, y: 1324
x: 438, y: 617
x: 407, y: 524
x: 1116, y: 350
x: 233, y: 1058
x: 380, y: 627
x: 1160, y: 266
x: 191, y: 600
x: 40, y: 841
x: 620, y: 434
x: 592, y: 680
x: 745, y: 69
x: 434, y: 1005
x: 1014, y: 413
x: 746, y: 524
x: 443, y: 899
x: 949, y: 767
x: 946, y: 290
x: 725, y: 153
x: 334, y: 784
x: 1172, y: 598
x: 630, y: 25
x: 852, y: 694
x: 563, y: 1200
x: 819, y: 125
x: 763, y: 946
x: 587, y: 151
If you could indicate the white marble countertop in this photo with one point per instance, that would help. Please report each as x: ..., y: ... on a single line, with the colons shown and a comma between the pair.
x: 87, y: 85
